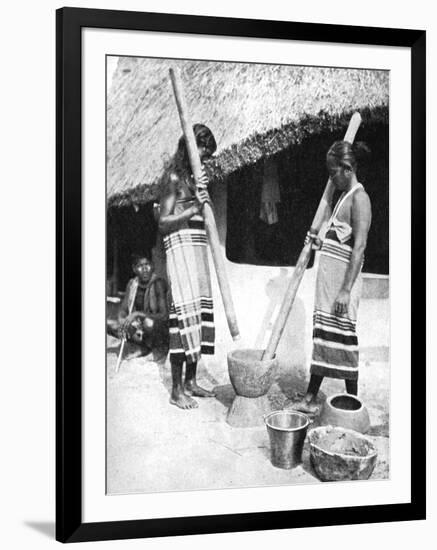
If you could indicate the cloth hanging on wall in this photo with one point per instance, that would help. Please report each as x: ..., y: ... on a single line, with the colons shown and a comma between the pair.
x: 270, y: 194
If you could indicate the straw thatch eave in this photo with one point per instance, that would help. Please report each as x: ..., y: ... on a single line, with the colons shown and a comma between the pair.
x: 254, y: 111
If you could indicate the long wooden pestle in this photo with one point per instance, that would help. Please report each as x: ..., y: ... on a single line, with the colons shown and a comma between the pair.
x: 210, y: 225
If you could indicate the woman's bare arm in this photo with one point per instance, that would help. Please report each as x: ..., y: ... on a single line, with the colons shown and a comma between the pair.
x: 360, y: 222
x: 361, y: 217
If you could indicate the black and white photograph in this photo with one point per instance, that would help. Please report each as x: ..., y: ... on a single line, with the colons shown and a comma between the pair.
x: 247, y: 275
x: 218, y: 266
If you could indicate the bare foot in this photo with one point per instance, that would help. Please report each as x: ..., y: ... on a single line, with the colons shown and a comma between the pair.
x: 306, y: 407
x: 191, y: 388
x: 183, y: 401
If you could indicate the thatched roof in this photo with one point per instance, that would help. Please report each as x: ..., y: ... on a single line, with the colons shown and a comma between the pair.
x: 253, y: 110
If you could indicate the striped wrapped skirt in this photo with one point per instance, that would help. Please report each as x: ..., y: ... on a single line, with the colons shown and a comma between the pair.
x: 191, y: 319
x: 335, y: 341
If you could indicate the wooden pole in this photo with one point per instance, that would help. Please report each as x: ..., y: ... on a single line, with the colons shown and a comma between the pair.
x: 305, y: 255
x: 123, y: 340
x: 210, y: 225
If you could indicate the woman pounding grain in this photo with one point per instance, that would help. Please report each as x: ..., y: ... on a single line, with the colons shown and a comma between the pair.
x: 338, y: 285
x: 191, y: 319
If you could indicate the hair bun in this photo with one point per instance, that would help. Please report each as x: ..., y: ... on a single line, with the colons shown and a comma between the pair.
x: 361, y: 150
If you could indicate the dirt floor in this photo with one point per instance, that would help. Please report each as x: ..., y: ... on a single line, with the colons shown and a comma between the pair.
x: 154, y: 446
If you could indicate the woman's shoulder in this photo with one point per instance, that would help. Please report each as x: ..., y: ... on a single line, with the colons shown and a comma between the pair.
x: 361, y: 200
x: 171, y: 185
x: 173, y: 181
x: 360, y: 195
x: 174, y: 177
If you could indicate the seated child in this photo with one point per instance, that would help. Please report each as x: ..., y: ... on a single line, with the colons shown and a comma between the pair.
x: 147, y: 325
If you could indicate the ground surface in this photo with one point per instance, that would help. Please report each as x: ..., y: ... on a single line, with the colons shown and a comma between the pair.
x: 154, y: 446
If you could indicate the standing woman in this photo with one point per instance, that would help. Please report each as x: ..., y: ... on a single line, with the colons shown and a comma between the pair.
x: 338, y: 285
x: 191, y: 319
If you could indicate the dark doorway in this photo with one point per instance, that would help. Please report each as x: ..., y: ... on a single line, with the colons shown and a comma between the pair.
x: 130, y: 230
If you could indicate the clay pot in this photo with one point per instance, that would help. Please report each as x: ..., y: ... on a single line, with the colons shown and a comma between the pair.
x: 347, y: 411
x: 251, y: 377
x: 339, y: 454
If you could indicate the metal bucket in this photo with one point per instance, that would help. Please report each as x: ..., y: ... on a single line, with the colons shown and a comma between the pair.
x: 287, y: 431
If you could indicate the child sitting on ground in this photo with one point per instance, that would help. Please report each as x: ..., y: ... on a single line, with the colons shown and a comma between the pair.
x: 147, y: 325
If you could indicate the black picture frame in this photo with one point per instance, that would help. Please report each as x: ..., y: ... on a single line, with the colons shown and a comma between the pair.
x: 69, y: 524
